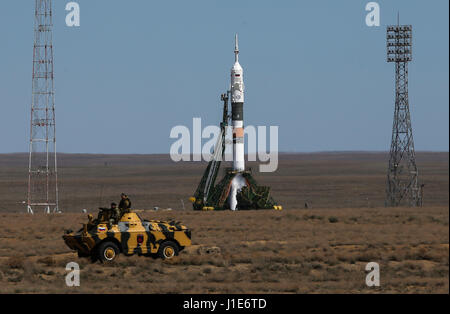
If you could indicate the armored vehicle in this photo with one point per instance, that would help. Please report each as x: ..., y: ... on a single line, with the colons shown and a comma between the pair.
x: 103, y: 239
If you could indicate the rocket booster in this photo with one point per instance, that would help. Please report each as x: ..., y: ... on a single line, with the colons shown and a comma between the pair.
x: 237, y: 111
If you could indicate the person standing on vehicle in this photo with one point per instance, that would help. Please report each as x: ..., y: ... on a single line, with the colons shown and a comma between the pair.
x: 124, y: 205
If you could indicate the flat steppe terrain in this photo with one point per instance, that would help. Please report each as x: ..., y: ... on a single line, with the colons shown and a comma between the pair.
x: 324, y: 180
x: 321, y: 249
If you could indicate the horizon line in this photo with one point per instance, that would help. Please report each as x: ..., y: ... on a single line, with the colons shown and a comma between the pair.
x: 280, y: 152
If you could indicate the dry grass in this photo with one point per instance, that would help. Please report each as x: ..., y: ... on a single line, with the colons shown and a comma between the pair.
x: 259, y: 252
x: 323, y: 249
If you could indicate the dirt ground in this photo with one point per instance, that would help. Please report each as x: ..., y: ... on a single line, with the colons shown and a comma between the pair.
x: 293, y: 251
x: 322, y: 249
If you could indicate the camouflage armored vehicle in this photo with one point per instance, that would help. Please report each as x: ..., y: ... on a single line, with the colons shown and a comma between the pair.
x: 102, y: 240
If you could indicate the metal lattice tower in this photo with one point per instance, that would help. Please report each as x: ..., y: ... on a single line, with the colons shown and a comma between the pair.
x: 402, y: 186
x: 42, y: 172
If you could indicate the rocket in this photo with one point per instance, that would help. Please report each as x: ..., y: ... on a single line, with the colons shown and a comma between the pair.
x: 237, y: 110
x: 238, y: 181
x: 237, y: 121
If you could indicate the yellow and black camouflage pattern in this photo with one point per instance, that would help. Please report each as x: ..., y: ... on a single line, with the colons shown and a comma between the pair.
x: 131, y: 234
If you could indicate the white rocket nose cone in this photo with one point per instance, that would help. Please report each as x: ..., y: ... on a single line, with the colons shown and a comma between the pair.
x: 236, y: 67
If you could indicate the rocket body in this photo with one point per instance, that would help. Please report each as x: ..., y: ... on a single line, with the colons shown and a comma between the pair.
x: 237, y: 121
x: 237, y: 112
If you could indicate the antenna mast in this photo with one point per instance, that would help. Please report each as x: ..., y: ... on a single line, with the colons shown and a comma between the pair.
x: 42, y: 167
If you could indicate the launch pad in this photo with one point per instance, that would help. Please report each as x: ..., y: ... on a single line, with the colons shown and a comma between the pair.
x: 237, y: 190
x: 251, y: 196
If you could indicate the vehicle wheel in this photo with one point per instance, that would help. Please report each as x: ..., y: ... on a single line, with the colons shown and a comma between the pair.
x: 107, y: 252
x: 81, y: 254
x: 94, y: 257
x: 153, y: 255
x: 168, y: 250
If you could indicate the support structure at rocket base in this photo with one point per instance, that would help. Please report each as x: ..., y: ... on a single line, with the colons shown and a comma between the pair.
x: 250, y: 196
x: 238, y: 189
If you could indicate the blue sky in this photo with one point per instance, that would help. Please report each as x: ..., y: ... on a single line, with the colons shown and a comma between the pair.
x: 134, y: 69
